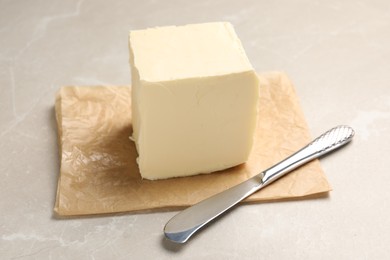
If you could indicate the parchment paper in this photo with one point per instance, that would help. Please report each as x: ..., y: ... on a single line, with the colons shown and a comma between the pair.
x: 99, y: 173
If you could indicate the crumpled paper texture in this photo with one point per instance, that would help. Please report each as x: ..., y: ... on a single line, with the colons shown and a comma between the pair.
x: 99, y: 173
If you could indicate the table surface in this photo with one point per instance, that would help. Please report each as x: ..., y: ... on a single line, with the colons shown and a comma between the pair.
x: 337, y: 54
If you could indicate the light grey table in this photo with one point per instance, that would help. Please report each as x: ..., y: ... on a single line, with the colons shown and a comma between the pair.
x: 336, y: 52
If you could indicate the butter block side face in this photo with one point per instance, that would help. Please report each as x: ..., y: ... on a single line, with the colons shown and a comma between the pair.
x: 188, y: 130
x: 192, y: 121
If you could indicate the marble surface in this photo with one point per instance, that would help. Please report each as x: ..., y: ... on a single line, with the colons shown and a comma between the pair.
x: 336, y: 52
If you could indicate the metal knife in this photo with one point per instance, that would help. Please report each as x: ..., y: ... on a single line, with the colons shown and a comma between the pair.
x: 183, y: 225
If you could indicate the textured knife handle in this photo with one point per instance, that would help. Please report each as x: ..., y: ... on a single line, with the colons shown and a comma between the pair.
x: 328, y: 141
x: 332, y: 139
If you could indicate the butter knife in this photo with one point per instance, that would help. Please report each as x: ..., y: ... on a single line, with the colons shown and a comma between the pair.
x: 183, y: 225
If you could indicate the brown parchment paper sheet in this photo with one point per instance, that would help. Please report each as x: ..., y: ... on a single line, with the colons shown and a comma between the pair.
x: 99, y: 173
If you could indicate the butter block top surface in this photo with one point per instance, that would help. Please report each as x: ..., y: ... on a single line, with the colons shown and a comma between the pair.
x: 189, y: 51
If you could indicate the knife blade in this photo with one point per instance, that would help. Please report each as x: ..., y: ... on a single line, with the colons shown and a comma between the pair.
x: 183, y: 225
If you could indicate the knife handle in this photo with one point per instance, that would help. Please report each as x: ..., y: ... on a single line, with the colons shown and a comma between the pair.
x: 330, y: 140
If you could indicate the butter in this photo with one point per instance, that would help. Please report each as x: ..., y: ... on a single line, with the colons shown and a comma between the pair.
x: 194, y: 99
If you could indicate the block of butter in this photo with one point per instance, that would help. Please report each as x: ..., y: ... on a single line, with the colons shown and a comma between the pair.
x: 194, y: 99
